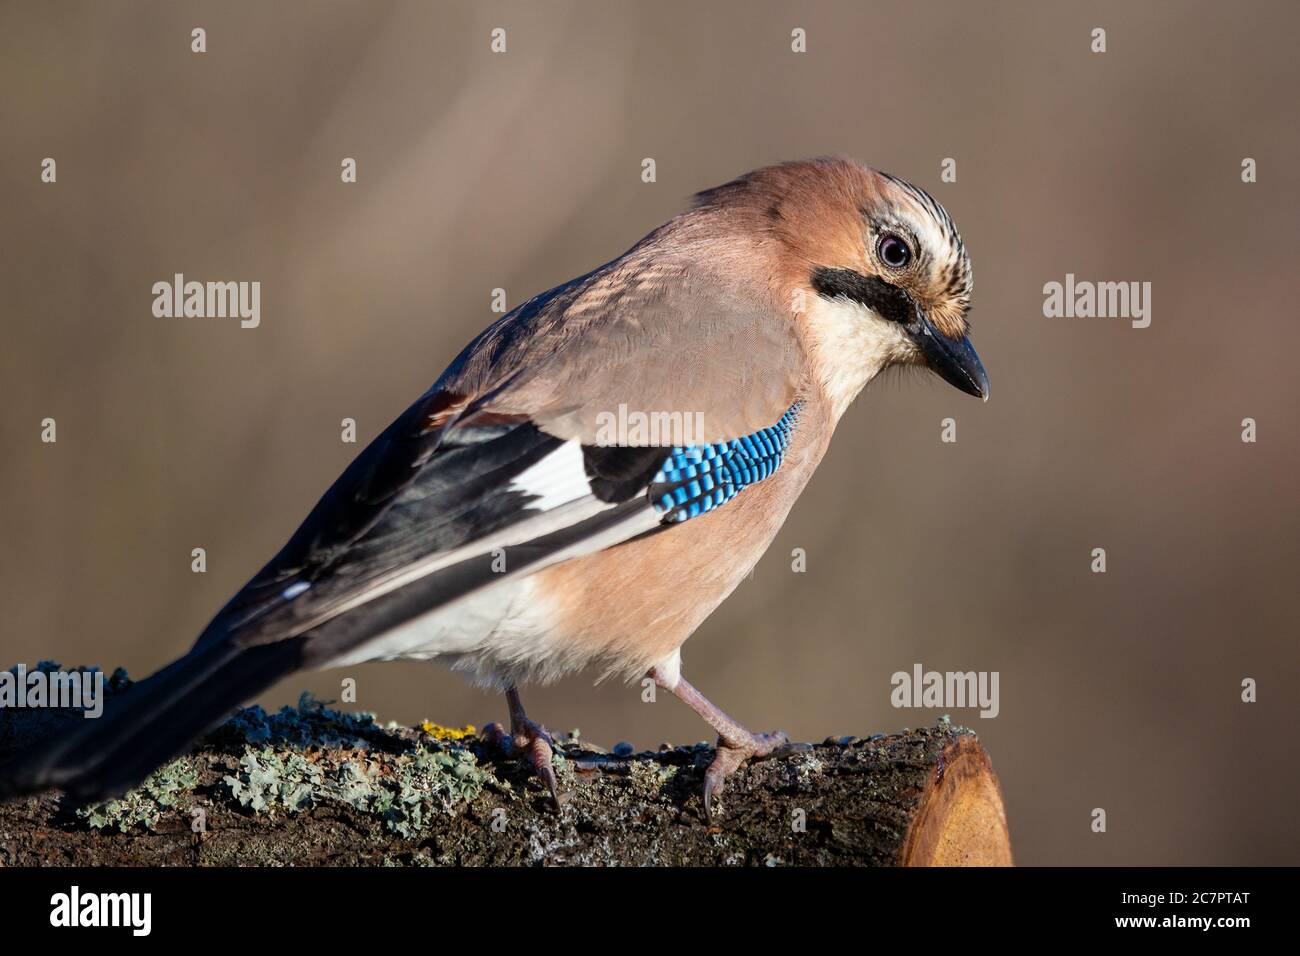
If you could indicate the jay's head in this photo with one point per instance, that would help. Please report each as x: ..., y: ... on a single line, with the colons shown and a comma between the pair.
x: 872, y: 267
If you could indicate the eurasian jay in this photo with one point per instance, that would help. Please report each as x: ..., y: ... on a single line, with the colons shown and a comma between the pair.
x: 499, y: 527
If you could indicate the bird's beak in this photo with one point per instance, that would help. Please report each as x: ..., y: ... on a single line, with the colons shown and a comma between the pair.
x: 953, y: 360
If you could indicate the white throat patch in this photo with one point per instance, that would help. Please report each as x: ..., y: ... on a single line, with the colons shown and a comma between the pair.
x: 851, y: 344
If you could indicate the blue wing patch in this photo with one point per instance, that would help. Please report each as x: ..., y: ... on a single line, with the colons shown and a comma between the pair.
x: 698, y: 478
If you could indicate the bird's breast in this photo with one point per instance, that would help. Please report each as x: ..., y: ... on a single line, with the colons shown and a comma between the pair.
x: 634, y: 604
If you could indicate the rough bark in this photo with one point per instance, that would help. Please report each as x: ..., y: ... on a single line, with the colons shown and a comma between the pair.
x: 313, y: 786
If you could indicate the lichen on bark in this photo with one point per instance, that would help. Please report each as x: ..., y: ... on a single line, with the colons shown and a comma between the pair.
x: 313, y: 785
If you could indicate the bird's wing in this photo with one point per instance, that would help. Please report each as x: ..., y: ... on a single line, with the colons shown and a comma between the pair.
x: 504, y: 455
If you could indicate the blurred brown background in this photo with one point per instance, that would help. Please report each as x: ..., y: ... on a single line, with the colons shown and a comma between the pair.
x: 522, y: 170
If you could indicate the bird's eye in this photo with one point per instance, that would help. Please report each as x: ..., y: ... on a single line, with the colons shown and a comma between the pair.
x: 894, y: 252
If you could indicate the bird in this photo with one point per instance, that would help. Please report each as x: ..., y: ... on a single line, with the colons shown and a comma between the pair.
x: 518, y: 525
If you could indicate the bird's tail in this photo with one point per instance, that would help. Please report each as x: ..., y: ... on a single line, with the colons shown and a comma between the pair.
x: 149, y: 723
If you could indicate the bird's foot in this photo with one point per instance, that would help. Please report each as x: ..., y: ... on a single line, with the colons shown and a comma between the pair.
x: 529, y: 741
x: 731, y: 756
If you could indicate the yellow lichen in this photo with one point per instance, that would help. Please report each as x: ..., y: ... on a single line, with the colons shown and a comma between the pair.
x: 439, y: 732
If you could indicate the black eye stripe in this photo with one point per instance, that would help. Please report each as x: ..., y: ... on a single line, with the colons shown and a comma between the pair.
x: 885, y: 299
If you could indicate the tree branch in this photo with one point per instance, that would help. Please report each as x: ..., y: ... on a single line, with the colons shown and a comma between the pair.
x: 313, y: 786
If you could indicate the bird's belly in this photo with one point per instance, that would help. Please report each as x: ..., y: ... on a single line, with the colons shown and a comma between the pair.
x: 499, y: 636
x: 631, y: 607
x: 595, y: 610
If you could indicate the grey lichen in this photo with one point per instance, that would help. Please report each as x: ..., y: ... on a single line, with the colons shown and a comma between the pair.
x: 651, y: 777
x: 305, y: 756
x: 322, y: 755
x: 311, y: 723
x: 309, y: 785
x: 144, y: 805
x: 434, y: 780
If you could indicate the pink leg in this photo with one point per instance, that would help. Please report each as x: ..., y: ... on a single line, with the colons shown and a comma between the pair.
x: 735, y: 744
x: 529, y: 740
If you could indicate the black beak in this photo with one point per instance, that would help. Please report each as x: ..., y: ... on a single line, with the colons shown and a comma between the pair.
x: 953, y: 360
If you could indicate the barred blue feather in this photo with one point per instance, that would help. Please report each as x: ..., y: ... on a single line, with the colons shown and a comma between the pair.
x: 695, y: 479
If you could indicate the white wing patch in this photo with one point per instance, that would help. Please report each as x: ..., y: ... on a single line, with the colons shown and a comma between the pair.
x: 560, y: 497
x: 557, y: 479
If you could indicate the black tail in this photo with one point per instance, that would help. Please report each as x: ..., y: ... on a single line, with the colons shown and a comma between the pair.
x: 150, y: 722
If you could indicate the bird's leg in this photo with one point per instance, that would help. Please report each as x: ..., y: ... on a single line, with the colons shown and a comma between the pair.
x: 528, y: 739
x: 735, y: 744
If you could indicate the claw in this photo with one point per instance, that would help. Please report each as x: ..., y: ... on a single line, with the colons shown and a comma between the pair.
x: 547, y: 773
x: 536, y: 742
x: 735, y: 743
x: 730, y: 757
x: 529, y: 741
